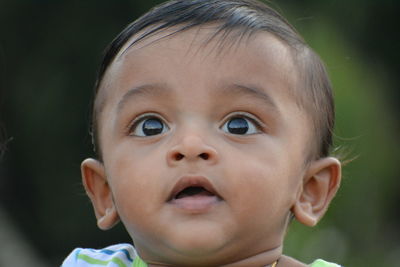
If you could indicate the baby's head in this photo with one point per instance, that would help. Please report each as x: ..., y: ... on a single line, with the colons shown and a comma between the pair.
x: 212, y: 121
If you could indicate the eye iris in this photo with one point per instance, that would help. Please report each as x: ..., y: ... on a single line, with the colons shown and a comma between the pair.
x: 152, y: 127
x: 238, y: 126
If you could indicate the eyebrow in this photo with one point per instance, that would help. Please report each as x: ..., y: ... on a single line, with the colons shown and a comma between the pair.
x: 162, y: 91
x: 145, y: 90
x: 251, y: 91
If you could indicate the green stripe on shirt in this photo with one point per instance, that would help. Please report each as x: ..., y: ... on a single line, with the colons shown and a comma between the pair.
x: 138, y: 262
x: 91, y: 260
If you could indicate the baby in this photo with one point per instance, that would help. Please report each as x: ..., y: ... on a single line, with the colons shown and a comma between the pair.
x: 212, y: 124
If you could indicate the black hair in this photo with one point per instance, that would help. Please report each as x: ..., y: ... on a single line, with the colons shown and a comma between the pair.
x: 245, y: 17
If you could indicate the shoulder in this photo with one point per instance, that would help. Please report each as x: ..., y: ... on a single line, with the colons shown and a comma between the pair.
x: 322, y: 263
x: 120, y: 255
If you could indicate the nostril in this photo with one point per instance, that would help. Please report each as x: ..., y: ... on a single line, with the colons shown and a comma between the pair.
x: 204, y: 156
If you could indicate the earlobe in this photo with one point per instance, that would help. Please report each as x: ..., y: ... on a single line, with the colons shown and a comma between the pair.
x: 320, y: 185
x: 99, y: 192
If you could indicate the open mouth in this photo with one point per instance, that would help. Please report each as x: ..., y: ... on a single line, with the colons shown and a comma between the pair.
x: 193, y: 191
x: 194, y: 194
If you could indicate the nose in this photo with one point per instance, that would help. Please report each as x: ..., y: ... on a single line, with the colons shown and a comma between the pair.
x: 192, y: 148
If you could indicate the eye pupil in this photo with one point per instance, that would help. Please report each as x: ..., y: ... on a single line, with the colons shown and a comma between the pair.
x: 152, y: 127
x: 238, y: 126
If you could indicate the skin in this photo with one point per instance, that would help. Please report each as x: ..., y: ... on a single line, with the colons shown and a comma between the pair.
x: 261, y: 177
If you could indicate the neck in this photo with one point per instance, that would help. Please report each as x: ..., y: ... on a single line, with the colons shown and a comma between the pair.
x: 264, y: 258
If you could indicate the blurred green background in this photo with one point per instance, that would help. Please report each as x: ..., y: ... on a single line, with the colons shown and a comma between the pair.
x: 49, y: 54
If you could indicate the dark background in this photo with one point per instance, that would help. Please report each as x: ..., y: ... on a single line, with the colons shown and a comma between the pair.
x: 50, y: 52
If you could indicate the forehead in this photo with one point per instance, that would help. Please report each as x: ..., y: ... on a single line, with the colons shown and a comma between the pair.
x: 175, y: 71
x: 202, y: 43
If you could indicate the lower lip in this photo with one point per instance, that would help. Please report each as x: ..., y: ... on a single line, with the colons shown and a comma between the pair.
x: 196, y: 203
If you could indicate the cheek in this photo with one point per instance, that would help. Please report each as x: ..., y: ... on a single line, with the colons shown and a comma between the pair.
x: 133, y: 180
x: 264, y: 182
x: 257, y: 186
x: 131, y: 191
x: 261, y: 200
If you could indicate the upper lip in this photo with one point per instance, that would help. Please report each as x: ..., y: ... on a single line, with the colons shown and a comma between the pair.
x: 192, y: 181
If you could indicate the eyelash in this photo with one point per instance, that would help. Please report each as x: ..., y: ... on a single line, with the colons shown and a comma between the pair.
x: 260, y: 126
x: 141, y: 118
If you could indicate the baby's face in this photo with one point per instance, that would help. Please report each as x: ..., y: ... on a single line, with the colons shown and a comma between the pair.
x: 203, y: 147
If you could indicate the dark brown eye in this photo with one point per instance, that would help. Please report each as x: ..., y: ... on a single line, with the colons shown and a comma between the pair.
x: 240, y: 126
x: 149, y: 126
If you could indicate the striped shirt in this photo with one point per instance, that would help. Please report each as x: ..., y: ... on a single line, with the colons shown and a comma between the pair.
x: 121, y: 255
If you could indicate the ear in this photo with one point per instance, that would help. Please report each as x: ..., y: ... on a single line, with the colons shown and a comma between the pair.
x: 320, y: 185
x: 99, y: 192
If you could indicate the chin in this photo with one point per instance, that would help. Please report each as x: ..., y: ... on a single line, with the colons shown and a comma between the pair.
x: 188, y: 250
x: 198, y: 245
